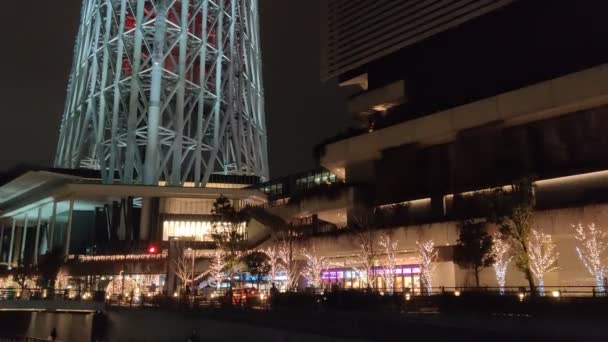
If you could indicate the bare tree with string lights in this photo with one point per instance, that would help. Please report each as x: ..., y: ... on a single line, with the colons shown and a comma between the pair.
x: 500, y: 256
x: 315, y: 264
x: 215, y: 273
x: 542, y: 255
x: 364, y: 223
x: 184, y: 266
x: 593, y: 245
x: 274, y: 261
x: 428, y: 254
x: 390, y: 264
x: 229, y: 234
x: 287, y: 253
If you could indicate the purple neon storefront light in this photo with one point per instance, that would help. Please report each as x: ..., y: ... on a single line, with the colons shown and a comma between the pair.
x: 337, y: 274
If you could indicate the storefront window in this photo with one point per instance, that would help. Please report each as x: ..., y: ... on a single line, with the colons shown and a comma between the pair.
x: 406, y: 278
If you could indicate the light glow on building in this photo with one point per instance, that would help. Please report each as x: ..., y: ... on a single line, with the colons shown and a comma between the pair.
x: 195, y: 230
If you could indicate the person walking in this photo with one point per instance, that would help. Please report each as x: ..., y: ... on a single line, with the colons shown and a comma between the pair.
x: 193, y: 337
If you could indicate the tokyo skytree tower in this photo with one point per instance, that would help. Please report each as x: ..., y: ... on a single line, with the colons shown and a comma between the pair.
x: 166, y: 90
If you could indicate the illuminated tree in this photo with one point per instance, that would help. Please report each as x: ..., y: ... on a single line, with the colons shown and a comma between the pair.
x: 122, y: 285
x: 229, y: 233
x: 500, y: 257
x: 592, y: 251
x: 543, y: 256
x: 364, y: 223
x: 274, y: 261
x: 287, y: 254
x: 24, y: 276
x: 428, y: 255
x: 512, y: 211
x: 390, y: 264
x: 215, y: 273
x: 61, y: 280
x: 315, y: 264
x: 184, y: 266
x: 366, y: 257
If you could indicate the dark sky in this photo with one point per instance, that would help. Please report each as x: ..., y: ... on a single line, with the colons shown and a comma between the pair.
x: 37, y: 56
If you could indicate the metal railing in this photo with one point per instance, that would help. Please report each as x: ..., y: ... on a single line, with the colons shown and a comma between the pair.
x: 50, y: 294
x: 23, y: 339
x: 553, y: 291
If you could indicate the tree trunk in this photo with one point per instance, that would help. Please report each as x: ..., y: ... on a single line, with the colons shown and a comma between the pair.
x: 531, y: 282
x: 528, y: 272
x: 476, y: 276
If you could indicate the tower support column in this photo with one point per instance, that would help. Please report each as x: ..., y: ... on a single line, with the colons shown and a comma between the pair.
x: 10, y: 246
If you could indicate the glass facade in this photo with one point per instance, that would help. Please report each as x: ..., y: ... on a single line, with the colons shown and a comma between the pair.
x: 407, y: 278
x: 291, y: 185
x: 273, y: 189
x: 314, y: 179
x: 195, y: 230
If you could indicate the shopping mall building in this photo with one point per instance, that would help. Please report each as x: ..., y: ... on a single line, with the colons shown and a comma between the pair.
x: 447, y: 106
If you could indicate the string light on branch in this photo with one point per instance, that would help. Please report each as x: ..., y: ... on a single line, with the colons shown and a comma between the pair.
x: 542, y: 255
x: 287, y: 254
x: 593, y: 244
x: 428, y: 255
x: 122, y: 257
x: 122, y: 285
x: 315, y: 264
x: 390, y: 264
x: 274, y: 261
x: 61, y: 281
x: 500, y: 254
x: 218, y: 265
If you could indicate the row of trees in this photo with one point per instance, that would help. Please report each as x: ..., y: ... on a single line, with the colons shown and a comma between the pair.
x: 533, y: 251
x: 43, y: 275
x: 287, y: 256
x: 515, y: 240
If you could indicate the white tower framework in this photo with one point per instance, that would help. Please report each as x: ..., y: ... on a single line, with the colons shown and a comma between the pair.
x: 166, y: 90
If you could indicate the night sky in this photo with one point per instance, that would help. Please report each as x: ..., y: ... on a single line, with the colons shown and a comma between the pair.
x: 37, y: 56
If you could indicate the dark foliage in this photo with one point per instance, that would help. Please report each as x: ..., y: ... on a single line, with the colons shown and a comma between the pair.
x: 473, y: 247
x: 258, y: 264
x: 48, y: 267
x: 362, y: 301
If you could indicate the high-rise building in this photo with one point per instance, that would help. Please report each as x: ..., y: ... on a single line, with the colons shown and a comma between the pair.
x: 457, y: 95
x: 455, y: 98
x: 356, y: 33
x: 166, y: 92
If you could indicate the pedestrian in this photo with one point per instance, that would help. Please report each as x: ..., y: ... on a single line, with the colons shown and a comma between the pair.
x: 273, y: 290
x: 53, y: 335
x: 193, y: 337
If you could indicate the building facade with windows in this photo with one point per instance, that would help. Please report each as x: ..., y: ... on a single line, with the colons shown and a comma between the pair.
x: 105, y: 230
x: 463, y: 97
x: 456, y: 98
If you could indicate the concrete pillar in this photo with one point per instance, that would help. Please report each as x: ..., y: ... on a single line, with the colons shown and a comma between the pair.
x: 144, y: 223
x: 11, y: 247
x: 171, y: 279
x: 52, y: 227
x: 37, y: 241
x: 23, y: 240
x: 68, y: 233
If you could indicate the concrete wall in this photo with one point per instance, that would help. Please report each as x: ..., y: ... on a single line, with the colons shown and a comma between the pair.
x: 558, y: 223
x: 570, y: 93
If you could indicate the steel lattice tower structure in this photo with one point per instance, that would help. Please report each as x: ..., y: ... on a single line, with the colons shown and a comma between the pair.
x: 166, y: 90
